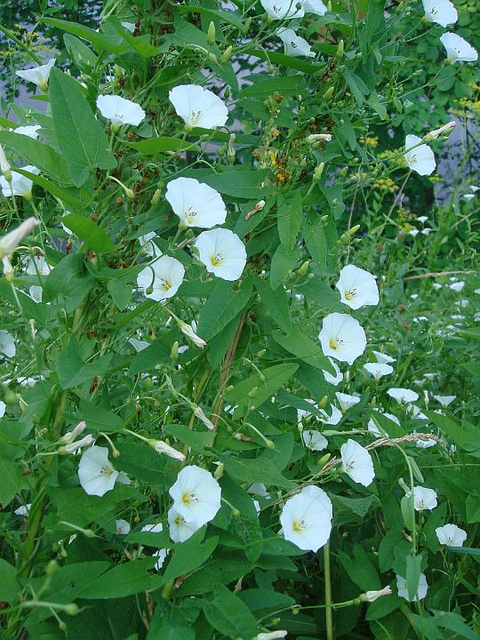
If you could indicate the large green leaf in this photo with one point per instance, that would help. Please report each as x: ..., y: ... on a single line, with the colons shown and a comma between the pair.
x: 123, y: 580
x: 85, y: 228
x: 100, y: 41
x: 223, y: 305
x: 11, y: 473
x: 72, y: 371
x: 80, y: 135
x: 152, y: 146
x: 229, y: 615
x: 190, y: 555
x: 8, y: 582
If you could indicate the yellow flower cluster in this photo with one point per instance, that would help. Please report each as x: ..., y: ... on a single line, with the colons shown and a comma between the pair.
x: 369, y: 141
x: 385, y: 184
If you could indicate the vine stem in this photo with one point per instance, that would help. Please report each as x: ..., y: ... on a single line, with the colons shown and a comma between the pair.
x: 328, y: 592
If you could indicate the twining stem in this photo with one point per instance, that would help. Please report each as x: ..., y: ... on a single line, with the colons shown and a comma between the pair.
x: 328, y: 592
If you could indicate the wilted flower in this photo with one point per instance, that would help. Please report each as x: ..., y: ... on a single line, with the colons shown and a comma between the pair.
x: 198, y: 106
x: 271, y: 635
x: 120, y: 110
x: 421, y: 159
x: 162, y: 447
x: 440, y: 11
x: 165, y: 276
x: 280, y: 9
x: 371, y: 596
x: 458, y: 49
x: 403, y: 395
x: 346, y: 400
x: 423, y: 498
x: 333, y: 379
x: 357, y: 287
x: 38, y: 75
x: 195, y: 203
x: 19, y: 185
x: 445, y: 400
x: 7, y: 344
x: 318, y: 137
x: 97, y: 475
x: 200, y: 414
x: 433, y: 135
x: 70, y: 436
x: 314, y: 440
x: 29, y: 130
x: 196, y: 495
x: 180, y: 529
x: 222, y: 252
x: 342, y: 337
x: 357, y: 462
x: 378, y: 369
x: 451, y: 535
x: 74, y: 447
x: 306, y: 518
x: 295, y: 45
x: 188, y: 331
x: 384, y: 358
x: 402, y: 588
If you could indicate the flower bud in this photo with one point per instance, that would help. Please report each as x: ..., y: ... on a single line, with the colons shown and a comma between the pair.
x: 218, y: 473
x: 328, y: 94
x: 200, y: 414
x: 211, y: 34
x: 156, y: 197
x: 72, y: 609
x: 71, y: 435
x: 253, y: 392
x: 317, y: 174
x: 324, y: 459
x: 340, y: 49
x: 323, y: 402
x: 188, y: 331
x: 52, y: 568
x: 163, y: 447
x: 4, y: 166
x: 371, y: 596
x: 174, y: 351
x: 226, y: 54
x: 11, y: 240
x: 231, y: 148
x: 436, y: 133
x: 303, y: 269
x: 247, y: 24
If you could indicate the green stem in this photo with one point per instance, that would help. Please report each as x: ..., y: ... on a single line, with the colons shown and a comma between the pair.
x: 20, y: 44
x: 328, y: 593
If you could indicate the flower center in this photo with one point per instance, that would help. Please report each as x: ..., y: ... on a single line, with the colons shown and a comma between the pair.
x: 277, y: 9
x: 293, y: 45
x: 350, y: 295
x: 299, y: 526
x: 179, y: 520
x: 349, y: 466
x: 165, y: 284
x: 420, y: 504
x: 195, y: 116
x: 190, y: 213
x: 217, y: 259
x: 189, y: 498
x: 105, y: 471
x: 335, y: 343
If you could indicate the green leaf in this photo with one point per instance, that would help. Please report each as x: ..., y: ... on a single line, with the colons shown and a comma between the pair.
x: 124, y: 580
x: 89, y: 231
x: 70, y: 280
x: 83, y: 57
x: 414, y: 568
x: 197, y: 441
x: 357, y: 86
x: 100, y: 41
x: 229, y: 615
x: 284, y: 260
x: 276, y: 304
x: 190, y: 555
x: 360, y: 569
x: 257, y: 470
x: 289, y: 220
x: 11, y: 473
x: 223, y: 305
x: 152, y: 146
x: 168, y: 629
x: 148, y: 358
x: 68, y: 196
x: 235, y: 183
x: 80, y: 135
x: 98, y: 418
x: 73, y: 371
x: 9, y: 586
x: 302, y: 347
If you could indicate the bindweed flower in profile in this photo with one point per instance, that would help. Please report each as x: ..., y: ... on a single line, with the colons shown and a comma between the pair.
x: 29, y: 130
x: 423, y: 498
x: 163, y: 277
x: 333, y: 379
x: 19, y: 185
x: 346, y: 401
x: 357, y: 462
x: 422, y: 588
x: 371, y: 596
x: 445, y: 400
x: 306, y: 518
x: 294, y: 44
x: 222, y: 252
x: 314, y: 6
x: 402, y: 395
x: 450, y: 535
x: 11, y: 240
x: 421, y: 158
x: 342, y: 337
x: 332, y: 418
x: 196, y: 495
x: 378, y: 369
x: 97, y: 475
x: 7, y: 344
x: 198, y: 106
x: 162, y: 447
x: 383, y: 357
x: 38, y: 75
x: 440, y: 11
x: 282, y: 9
x: 120, y: 111
x: 358, y: 288
x: 180, y: 529
x: 195, y: 203
x: 314, y: 440
x: 458, y: 49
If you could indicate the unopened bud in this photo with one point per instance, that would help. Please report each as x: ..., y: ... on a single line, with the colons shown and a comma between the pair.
x: 328, y: 93
x: 156, y: 197
x: 261, y: 353
x: 226, y: 54
x: 52, y: 568
x: 231, y: 148
x: 323, y: 402
x: 174, y: 350
x: 253, y: 392
x: 211, y: 34
x: 72, y: 609
x: 340, y: 49
x: 353, y: 230
x: 4, y: 166
x: 303, y: 269
x: 211, y: 56
x: 247, y: 24
x: 162, y: 447
x: 323, y: 460
x: 317, y: 174
x: 371, y: 596
x: 218, y: 473
x: 436, y: 133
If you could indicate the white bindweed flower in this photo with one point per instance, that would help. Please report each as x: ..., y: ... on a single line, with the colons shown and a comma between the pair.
x: 70, y: 436
x: 357, y: 462
x: 222, y: 252
x: 332, y: 418
x: 423, y: 498
x: 149, y: 246
x: 20, y: 185
x: 421, y: 159
x: 75, y: 447
x: 451, y: 535
x: 195, y: 203
x: 425, y: 444
x: 384, y: 358
x: 122, y: 527
x: 371, y: 596
x: 29, y: 130
x: 357, y: 287
x: 457, y: 286
x: 7, y: 344
x: 259, y: 489
x: 416, y: 412
x: 458, y: 49
x: 97, y: 476
x: 180, y: 529
x: 199, y: 413
x: 440, y: 11
x: 280, y: 9
x: 314, y: 6
x: 198, y: 106
x: 314, y: 440
x: 306, y: 518
x: 342, y: 337
x: 422, y: 588
x: 37, y: 75
x: 5, y: 168
x: 333, y: 379
x: 346, y: 401
x: 189, y: 332
x: 3, y: 407
x: 164, y: 276
x: 445, y: 400
x: 303, y: 413
x: 378, y: 369
x: 271, y: 635
x: 294, y: 45
x: 196, y: 495
x: 120, y: 110
x: 161, y: 555
x: 373, y: 427
x: 162, y: 447
x: 37, y: 266
x: 24, y: 510
x: 402, y: 395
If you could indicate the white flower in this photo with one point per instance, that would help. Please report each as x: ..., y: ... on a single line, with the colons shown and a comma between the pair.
x: 416, y: 412
x: 371, y: 596
x: 180, y: 529
x: 303, y: 413
x: 195, y: 203
x: 259, y: 489
x: 402, y: 395
x: 24, y: 510
x: 314, y: 440
x: 458, y: 49
x: 440, y: 11
x: 161, y: 554
x: 357, y: 462
x: 196, y: 495
x: 423, y: 498
x: 337, y: 378
x: 457, y: 286
x: 451, y: 535
x: 295, y: 45
x: 75, y: 447
x: 421, y: 590
x: 37, y: 266
x: 333, y: 418
x: 436, y: 133
x: 138, y: 345
x: 97, y: 476
x: 373, y: 428
x: 425, y: 444
x: 148, y: 245
x: 165, y: 276
x: 222, y: 252
x: 162, y: 447
x: 198, y: 106
x: 122, y: 527
x: 20, y: 185
x: 306, y: 518
x: 420, y: 159
x: 200, y: 414
x: 314, y: 6
x: 3, y: 407
x: 279, y: 9
x: 468, y: 196
x: 357, y: 287
x: 120, y: 110
x: 271, y: 635
x: 346, y: 401
x: 7, y: 344
x: 37, y: 75
x: 342, y: 337
x: 5, y: 168
x: 445, y: 400
x: 378, y: 369
x: 383, y: 357
x: 422, y: 219
x: 30, y: 130
x: 189, y: 332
